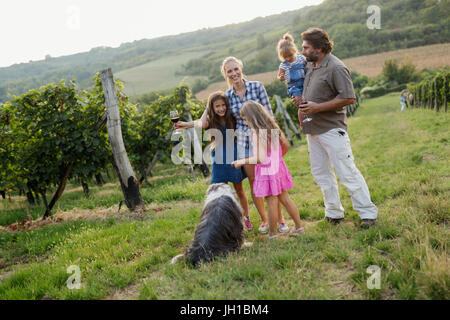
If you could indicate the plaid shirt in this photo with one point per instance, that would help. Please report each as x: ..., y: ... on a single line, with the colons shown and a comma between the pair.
x: 255, y: 91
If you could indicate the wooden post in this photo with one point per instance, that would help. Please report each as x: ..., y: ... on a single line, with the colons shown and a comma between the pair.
x: 286, y: 128
x: 85, y: 188
x: 183, y: 94
x: 287, y: 116
x: 445, y: 94
x: 422, y: 100
x: 152, y: 164
x: 191, y: 168
x: 99, y: 179
x: 436, y: 96
x: 58, y: 193
x: 430, y: 99
x: 197, y: 144
x: 27, y: 209
x: 119, y: 159
x: 29, y: 193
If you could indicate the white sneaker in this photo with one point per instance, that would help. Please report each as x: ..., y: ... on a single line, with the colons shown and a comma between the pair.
x: 263, y: 228
x: 295, y: 232
x: 282, y: 227
x: 273, y: 237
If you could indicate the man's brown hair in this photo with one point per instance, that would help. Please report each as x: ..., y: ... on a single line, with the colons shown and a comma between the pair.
x: 319, y: 39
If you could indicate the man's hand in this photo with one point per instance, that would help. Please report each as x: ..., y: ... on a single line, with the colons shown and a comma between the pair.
x: 297, y: 100
x: 308, y: 108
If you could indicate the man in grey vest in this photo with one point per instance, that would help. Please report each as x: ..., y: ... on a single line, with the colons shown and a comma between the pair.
x: 327, y: 90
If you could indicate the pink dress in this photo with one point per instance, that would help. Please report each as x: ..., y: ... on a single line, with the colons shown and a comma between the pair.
x: 272, y: 177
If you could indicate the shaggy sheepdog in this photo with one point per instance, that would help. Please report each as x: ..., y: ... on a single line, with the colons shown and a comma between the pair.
x: 221, y: 227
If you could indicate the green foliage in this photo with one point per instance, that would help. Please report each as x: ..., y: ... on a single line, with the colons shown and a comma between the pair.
x: 44, y: 132
x: 386, y: 83
x: 199, y: 85
x: 54, y: 130
x: 359, y: 80
x: 400, y: 74
x: 278, y: 88
x: 49, y: 129
x: 149, y: 97
x: 432, y: 92
x: 264, y: 61
x: 149, y: 127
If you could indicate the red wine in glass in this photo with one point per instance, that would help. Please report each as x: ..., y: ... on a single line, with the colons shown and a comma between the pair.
x: 174, y: 116
x: 306, y: 117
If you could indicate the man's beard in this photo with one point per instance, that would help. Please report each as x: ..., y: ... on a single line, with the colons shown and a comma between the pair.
x: 312, y: 58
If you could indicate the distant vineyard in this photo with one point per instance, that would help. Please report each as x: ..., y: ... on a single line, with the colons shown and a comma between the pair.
x: 432, y: 94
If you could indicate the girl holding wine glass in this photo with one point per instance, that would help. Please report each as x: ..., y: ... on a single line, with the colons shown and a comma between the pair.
x: 219, y: 117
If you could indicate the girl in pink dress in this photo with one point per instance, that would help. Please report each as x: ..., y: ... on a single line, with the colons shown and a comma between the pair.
x: 272, y: 177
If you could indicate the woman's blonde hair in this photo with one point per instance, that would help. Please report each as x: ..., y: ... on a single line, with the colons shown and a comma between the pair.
x: 286, y: 47
x: 259, y: 118
x: 223, y: 71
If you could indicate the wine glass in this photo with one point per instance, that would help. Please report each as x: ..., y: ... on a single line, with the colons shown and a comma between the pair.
x: 306, y: 117
x: 174, y: 116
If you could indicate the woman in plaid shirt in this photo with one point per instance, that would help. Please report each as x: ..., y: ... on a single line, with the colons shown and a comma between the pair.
x: 240, y: 91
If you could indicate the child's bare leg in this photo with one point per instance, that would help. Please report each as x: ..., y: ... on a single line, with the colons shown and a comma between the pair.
x: 258, y: 201
x: 242, y: 197
x: 291, y: 208
x: 272, y: 207
x: 280, y: 215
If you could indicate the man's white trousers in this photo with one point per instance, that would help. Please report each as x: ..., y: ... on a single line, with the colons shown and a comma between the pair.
x: 332, y: 149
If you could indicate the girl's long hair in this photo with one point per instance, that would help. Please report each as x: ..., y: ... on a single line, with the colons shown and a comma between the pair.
x: 213, y: 118
x: 258, y: 118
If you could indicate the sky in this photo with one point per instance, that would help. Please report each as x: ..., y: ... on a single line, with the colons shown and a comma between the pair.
x: 32, y: 29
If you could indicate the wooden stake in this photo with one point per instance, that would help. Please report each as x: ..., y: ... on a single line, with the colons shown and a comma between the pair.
x: 120, y: 161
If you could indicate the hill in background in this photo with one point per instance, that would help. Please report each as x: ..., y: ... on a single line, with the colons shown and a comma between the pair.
x: 404, y: 24
x: 425, y: 57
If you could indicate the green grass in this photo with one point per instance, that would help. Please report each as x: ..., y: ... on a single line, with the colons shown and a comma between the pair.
x: 158, y: 75
x: 404, y: 158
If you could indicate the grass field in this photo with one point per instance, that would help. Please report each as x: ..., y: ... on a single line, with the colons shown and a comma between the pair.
x: 157, y: 75
x: 430, y: 57
x: 403, y: 156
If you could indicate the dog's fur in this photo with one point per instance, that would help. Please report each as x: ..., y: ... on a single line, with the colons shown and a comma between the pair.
x: 221, y: 227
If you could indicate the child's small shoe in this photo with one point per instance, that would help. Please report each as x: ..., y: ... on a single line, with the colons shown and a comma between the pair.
x: 295, y: 232
x: 273, y: 237
x: 282, y: 227
x: 248, y: 224
x: 263, y: 228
